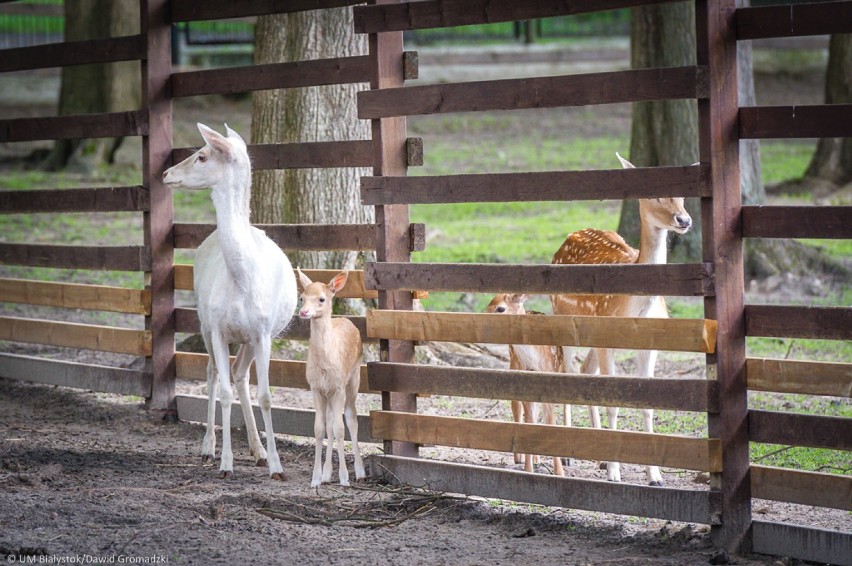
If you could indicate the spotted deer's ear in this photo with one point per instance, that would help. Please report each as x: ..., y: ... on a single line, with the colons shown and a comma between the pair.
x: 338, y: 282
x: 216, y: 140
x: 520, y: 298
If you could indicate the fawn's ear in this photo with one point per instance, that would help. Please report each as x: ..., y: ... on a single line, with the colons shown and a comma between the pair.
x: 520, y: 298
x: 215, y: 140
x: 303, y: 279
x: 624, y: 163
x: 338, y: 282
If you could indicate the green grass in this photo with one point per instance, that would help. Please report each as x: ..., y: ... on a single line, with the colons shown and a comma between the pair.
x: 784, y: 160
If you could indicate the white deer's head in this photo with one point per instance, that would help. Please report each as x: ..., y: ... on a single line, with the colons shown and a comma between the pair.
x: 219, y: 160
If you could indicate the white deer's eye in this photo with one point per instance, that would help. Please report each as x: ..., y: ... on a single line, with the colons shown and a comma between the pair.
x: 202, y: 158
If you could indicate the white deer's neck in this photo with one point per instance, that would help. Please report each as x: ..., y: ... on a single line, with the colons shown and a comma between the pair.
x: 652, y: 244
x: 231, y: 200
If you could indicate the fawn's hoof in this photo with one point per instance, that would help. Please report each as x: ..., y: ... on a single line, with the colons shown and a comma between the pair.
x: 206, y: 459
x: 261, y: 463
x: 226, y: 475
x: 277, y: 476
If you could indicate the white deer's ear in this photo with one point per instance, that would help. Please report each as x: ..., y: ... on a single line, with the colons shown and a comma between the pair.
x: 215, y: 140
x: 338, y: 282
x: 234, y: 135
x: 624, y: 163
x: 303, y: 279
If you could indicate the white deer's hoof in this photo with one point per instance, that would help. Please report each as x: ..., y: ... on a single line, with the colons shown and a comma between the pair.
x: 261, y: 463
x: 226, y: 475
x: 656, y: 483
x: 206, y: 459
x: 277, y: 476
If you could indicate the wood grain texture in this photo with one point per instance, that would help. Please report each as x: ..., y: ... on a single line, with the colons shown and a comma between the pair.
x: 644, y: 182
x: 356, y: 153
x: 115, y: 258
x: 772, y: 427
x: 806, y: 488
x: 549, y: 440
x: 73, y: 53
x: 790, y: 122
x: 75, y: 296
x: 83, y: 126
x: 191, y: 10
x: 111, y: 199
x: 804, y: 377
x: 354, y: 288
x: 292, y: 236
x: 803, y: 543
x: 603, y: 332
x: 576, y: 389
x: 790, y: 20
x: 539, y: 92
x: 786, y: 321
x: 71, y: 335
x: 829, y: 222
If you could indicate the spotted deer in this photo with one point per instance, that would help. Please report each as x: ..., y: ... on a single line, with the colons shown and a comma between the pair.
x: 658, y: 217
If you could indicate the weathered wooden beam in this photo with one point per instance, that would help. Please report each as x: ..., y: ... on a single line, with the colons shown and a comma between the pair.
x: 791, y: 20
x: 576, y: 389
x: 539, y: 92
x: 354, y: 288
x: 818, y: 121
x: 72, y: 335
x: 70, y: 53
x: 191, y: 10
x: 355, y: 153
x: 643, y: 182
x: 75, y: 296
x: 771, y: 427
x: 114, y: 258
x: 804, y: 543
x: 834, y: 222
x: 83, y: 126
x: 788, y: 321
x: 805, y: 488
x: 794, y: 376
x: 684, y: 335
x: 112, y: 199
x: 292, y: 236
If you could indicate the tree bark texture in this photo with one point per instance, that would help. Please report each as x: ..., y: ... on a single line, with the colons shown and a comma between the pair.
x: 315, y: 114
x: 663, y: 132
x: 832, y: 159
x: 88, y: 89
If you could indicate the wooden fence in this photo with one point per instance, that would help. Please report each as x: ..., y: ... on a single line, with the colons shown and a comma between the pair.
x: 718, y: 277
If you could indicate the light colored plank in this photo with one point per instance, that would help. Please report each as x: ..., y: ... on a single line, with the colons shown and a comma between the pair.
x: 793, y: 376
x: 804, y: 543
x: 806, y: 488
x: 585, y: 444
x: 354, y: 288
x: 72, y: 374
x: 606, y: 332
x: 282, y: 373
x: 689, y: 506
x: 75, y: 296
x: 70, y: 335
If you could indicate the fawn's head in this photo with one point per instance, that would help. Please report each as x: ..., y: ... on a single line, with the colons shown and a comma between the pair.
x: 666, y: 213
x: 316, y: 298
x: 507, y: 303
x: 211, y: 164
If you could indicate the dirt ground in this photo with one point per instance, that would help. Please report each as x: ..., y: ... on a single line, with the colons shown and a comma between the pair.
x: 89, y: 478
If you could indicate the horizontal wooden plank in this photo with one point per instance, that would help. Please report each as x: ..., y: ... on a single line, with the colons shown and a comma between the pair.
x: 771, y: 427
x: 602, y: 332
x: 69, y: 53
x: 538, y: 92
x: 610, y: 391
x: 803, y: 543
x: 693, y: 506
x: 643, y: 182
x: 82, y: 126
x: 191, y: 10
x: 829, y: 222
x: 671, y: 280
x: 93, y: 377
x: 116, y: 258
x: 356, y: 153
x: 72, y: 335
x: 791, y: 20
x: 75, y: 296
x: 186, y: 320
x: 111, y: 199
x: 313, y: 237
x: 549, y: 440
x: 818, y: 121
x: 794, y: 376
x: 282, y: 373
x: 448, y: 13
x: 785, y: 321
x: 296, y: 422
x: 316, y: 72
x: 806, y: 488
x: 354, y: 288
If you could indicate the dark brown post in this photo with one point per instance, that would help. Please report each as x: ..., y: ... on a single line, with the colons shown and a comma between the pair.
x: 393, y: 242
x: 722, y: 244
x: 159, y: 220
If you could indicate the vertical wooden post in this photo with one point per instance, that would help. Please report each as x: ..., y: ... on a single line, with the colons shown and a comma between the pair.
x: 392, y: 221
x: 159, y: 220
x: 722, y: 244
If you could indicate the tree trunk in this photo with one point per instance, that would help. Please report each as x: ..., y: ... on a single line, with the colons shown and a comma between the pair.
x: 832, y: 160
x: 88, y: 89
x: 326, y: 113
x: 663, y: 132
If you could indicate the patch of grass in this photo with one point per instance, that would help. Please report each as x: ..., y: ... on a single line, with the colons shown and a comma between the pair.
x: 799, y: 349
x: 784, y: 160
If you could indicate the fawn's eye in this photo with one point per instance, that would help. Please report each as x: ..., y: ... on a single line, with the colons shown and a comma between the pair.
x: 322, y: 299
x: 501, y: 309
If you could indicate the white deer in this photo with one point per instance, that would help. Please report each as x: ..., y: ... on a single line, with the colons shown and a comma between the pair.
x: 529, y: 357
x: 245, y: 289
x: 334, y: 375
x: 658, y: 217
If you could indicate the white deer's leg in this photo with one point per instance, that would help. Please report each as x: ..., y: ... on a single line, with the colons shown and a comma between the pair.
x: 208, y: 445
x: 319, y: 434
x: 646, y: 361
x: 606, y: 361
x: 336, y: 408
x: 262, y: 351
x: 226, y: 398
x: 351, y: 415
x: 240, y: 371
